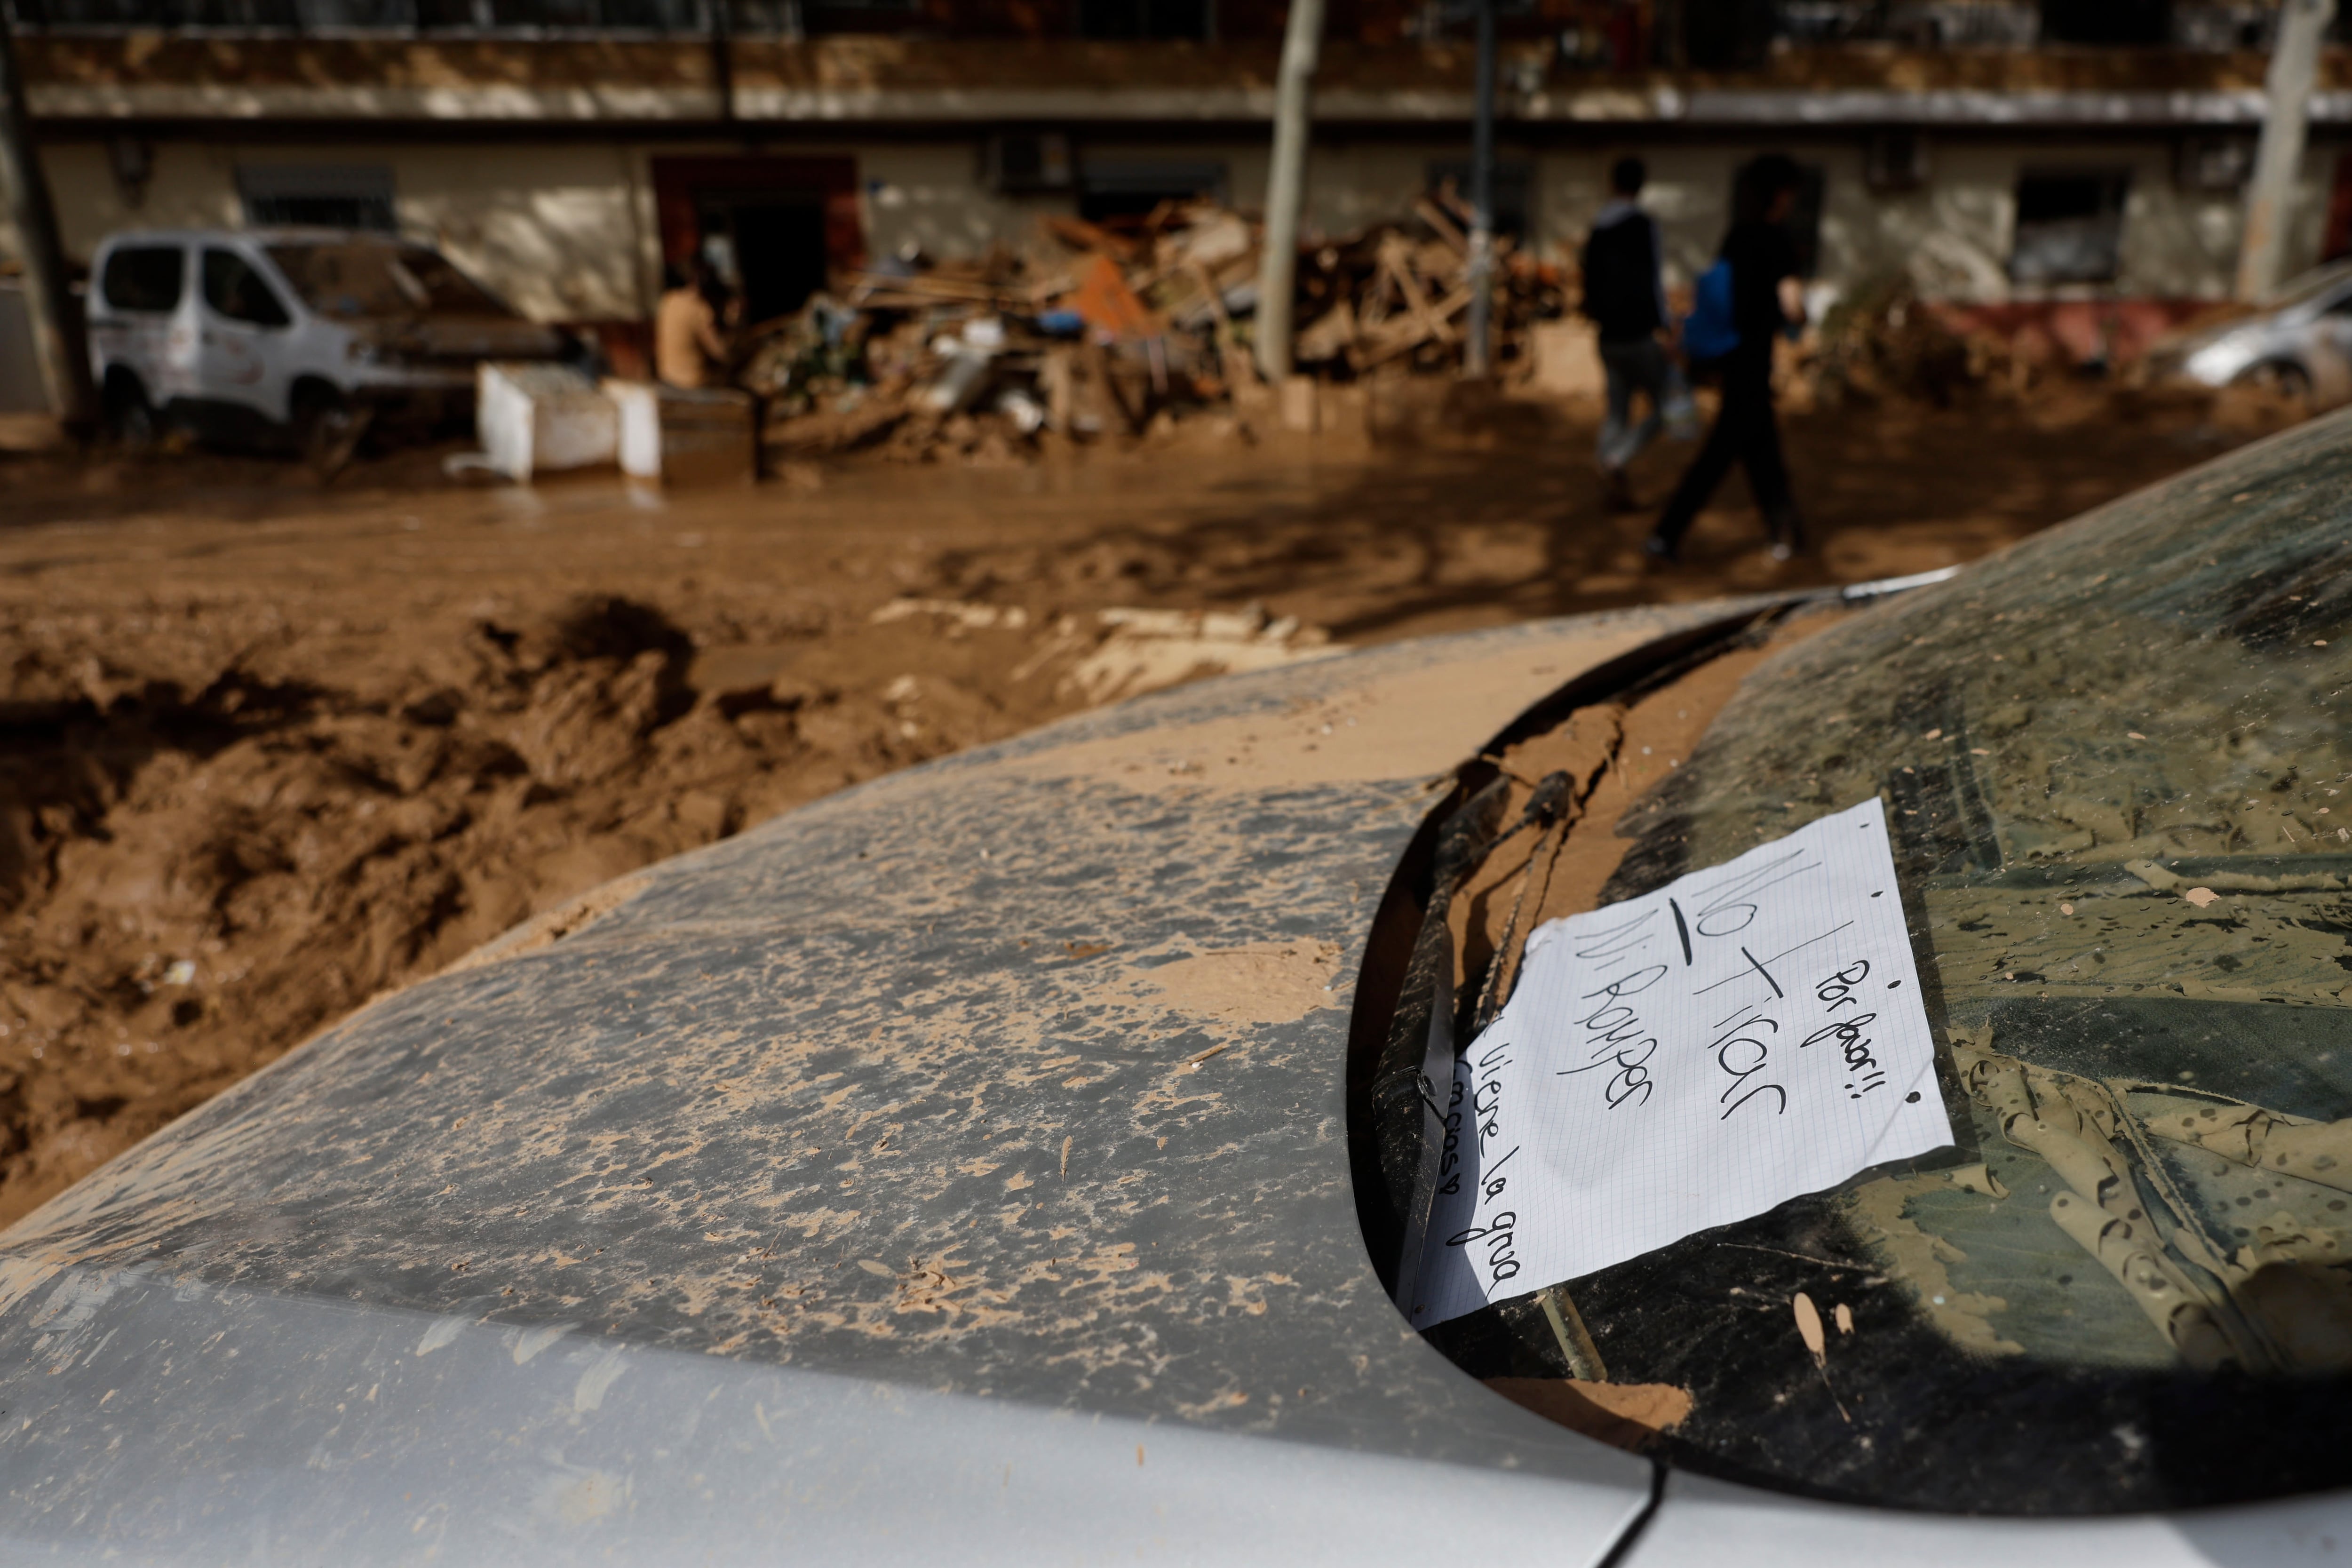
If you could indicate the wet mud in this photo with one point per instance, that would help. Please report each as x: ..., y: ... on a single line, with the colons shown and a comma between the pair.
x: 270, y: 748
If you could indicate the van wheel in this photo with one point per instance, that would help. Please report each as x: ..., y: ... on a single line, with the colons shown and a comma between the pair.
x: 130, y: 418
x: 327, y: 428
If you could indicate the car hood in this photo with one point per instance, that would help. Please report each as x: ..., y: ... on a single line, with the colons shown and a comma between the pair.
x: 955, y: 1168
x: 1005, y: 1090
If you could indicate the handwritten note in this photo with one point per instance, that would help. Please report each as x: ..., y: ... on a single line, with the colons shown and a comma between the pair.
x: 1690, y: 1057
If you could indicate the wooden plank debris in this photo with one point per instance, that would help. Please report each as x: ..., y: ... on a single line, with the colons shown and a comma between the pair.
x: 1108, y: 328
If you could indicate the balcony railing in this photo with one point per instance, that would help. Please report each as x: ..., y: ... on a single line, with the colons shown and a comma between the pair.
x: 1706, y: 33
x: 693, y: 18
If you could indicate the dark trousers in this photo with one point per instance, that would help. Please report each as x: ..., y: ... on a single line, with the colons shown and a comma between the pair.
x: 1745, y: 432
x: 1640, y: 366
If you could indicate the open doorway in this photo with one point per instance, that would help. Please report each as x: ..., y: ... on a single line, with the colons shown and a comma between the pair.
x: 770, y: 248
x: 774, y: 228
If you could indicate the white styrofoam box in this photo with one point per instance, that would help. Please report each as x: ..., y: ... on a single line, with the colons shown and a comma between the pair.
x: 534, y: 419
x: 638, y: 404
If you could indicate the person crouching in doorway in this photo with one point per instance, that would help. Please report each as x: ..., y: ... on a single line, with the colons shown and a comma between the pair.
x: 1750, y: 296
x: 1625, y: 296
x: 688, y: 349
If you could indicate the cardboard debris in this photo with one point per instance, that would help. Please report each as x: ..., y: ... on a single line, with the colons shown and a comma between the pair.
x: 1106, y: 303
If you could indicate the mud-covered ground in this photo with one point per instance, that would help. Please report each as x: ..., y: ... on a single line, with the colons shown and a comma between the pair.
x: 268, y: 748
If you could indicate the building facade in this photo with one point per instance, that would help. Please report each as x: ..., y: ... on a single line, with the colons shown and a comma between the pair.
x: 565, y: 150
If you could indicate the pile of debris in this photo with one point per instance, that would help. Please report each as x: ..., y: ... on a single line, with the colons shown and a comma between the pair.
x: 1399, y: 294
x: 1881, y: 341
x: 1113, y: 329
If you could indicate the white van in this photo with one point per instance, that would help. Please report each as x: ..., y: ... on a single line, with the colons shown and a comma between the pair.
x: 308, y: 333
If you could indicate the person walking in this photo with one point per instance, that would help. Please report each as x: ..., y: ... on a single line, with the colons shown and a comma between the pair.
x: 1755, y: 286
x: 1625, y: 297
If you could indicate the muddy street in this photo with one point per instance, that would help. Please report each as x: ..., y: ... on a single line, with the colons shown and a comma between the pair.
x: 272, y: 748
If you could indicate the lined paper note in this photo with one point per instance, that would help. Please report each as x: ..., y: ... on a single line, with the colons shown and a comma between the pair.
x: 1743, y: 1036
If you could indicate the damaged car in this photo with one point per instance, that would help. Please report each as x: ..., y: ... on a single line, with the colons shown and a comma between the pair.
x: 2295, y: 342
x: 300, y: 337
x: 1013, y: 1158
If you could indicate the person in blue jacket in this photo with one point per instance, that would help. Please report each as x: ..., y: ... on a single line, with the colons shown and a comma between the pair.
x: 1765, y: 299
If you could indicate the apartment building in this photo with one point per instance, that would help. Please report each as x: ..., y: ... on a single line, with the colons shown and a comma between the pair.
x: 2002, y: 156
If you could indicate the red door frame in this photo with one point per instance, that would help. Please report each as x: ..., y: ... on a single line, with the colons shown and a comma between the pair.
x: 2336, y: 242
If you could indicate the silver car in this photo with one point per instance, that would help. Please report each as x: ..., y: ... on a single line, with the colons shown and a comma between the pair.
x: 2298, y: 341
x: 1009, y: 1160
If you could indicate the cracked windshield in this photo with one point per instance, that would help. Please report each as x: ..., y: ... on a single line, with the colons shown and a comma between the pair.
x: 2116, y: 769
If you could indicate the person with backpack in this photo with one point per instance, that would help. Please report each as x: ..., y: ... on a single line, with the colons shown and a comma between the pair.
x: 1626, y: 298
x: 1749, y: 296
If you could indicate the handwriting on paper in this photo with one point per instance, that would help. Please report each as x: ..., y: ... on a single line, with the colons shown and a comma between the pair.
x: 1690, y: 1057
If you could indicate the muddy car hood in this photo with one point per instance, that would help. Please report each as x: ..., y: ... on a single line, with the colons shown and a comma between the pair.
x: 956, y: 1167
x: 951, y: 1153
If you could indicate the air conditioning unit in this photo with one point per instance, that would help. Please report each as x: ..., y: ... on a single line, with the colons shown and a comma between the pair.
x: 2213, y: 163
x: 1029, y: 160
x: 1894, y: 161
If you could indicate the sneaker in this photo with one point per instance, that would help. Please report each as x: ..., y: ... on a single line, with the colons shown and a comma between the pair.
x: 1783, y: 551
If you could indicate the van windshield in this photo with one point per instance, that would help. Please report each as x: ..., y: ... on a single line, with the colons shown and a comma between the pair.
x: 359, y: 279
